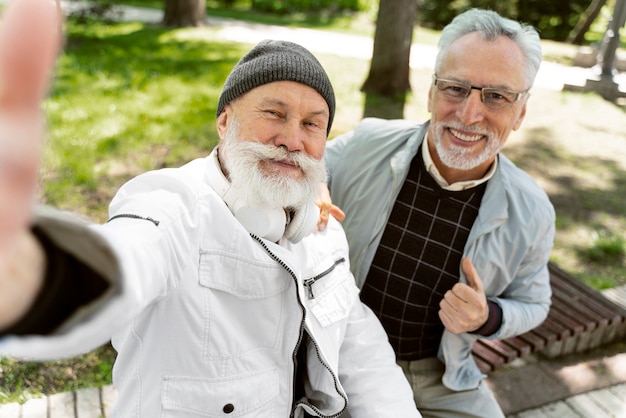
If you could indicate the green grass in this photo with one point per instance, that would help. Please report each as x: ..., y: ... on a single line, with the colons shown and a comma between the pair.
x: 130, y: 97
x: 21, y: 381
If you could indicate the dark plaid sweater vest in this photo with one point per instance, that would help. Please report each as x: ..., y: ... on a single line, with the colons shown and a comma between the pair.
x: 418, y: 260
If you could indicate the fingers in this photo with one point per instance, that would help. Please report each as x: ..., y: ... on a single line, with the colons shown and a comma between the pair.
x: 459, y: 316
x: 322, y: 223
x: 324, y: 202
x: 464, y: 307
x: 29, y: 40
x: 337, y: 213
x: 325, y: 212
x: 473, y: 279
x: 30, y: 37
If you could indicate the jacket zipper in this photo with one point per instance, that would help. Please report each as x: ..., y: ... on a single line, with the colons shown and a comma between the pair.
x: 308, y: 283
x: 300, y: 336
x: 132, y: 216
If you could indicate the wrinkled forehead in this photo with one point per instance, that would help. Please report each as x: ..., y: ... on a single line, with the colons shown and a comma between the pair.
x: 482, y: 62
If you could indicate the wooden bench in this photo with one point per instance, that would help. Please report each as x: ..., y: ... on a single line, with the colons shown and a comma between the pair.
x: 580, y: 319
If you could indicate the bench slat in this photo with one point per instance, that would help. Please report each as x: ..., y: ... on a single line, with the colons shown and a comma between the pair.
x: 580, y: 318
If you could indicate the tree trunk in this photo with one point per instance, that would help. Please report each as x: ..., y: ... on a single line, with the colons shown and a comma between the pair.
x: 184, y: 13
x: 388, y: 82
x: 577, y: 36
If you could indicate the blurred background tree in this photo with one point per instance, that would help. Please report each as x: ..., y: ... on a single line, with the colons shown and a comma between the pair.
x: 387, y: 83
x: 554, y: 20
x: 184, y: 13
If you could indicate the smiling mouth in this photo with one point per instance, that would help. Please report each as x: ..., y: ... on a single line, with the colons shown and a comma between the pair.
x: 465, y: 137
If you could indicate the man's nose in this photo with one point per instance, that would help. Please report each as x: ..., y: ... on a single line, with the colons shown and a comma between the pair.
x: 472, y: 109
x: 291, y: 136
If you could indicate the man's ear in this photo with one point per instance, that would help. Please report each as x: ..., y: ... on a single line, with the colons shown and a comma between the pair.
x: 223, y: 121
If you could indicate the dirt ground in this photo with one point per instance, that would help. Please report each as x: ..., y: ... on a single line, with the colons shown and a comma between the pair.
x: 574, y: 144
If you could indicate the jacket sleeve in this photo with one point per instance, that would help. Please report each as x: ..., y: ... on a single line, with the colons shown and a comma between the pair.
x: 526, y: 302
x: 135, y: 261
x: 82, y: 278
x: 54, y: 303
x: 375, y: 384
x: 335, y: 153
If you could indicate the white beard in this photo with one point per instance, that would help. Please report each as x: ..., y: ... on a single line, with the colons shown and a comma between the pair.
x: 259, y: 189
x: 460, y: 158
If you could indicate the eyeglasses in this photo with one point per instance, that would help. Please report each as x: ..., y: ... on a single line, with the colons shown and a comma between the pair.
x: 492, y: 97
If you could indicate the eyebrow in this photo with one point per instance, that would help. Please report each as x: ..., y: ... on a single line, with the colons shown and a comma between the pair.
x: 489, y: 86
x: 277, y: 102
x: 464, y: 81
x: 270, y: 101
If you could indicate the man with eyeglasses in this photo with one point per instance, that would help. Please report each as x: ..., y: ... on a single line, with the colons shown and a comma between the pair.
x: 449, y: 240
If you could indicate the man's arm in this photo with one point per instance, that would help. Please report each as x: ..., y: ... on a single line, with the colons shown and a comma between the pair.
x: 30, y: 37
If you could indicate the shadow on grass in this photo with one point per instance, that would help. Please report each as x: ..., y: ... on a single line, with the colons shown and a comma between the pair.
x: 588, y: 193
x: 579, y: 187
x: 139, y: 54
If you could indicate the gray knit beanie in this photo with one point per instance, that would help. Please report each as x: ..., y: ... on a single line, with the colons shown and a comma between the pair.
x: 271, y: 61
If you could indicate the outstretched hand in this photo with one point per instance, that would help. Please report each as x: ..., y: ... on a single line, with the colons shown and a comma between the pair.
x: 464, y: 307
x: 30, y: 37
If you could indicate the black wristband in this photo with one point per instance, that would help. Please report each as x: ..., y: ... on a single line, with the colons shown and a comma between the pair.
x: 68, y: 285
x: 493, y: 322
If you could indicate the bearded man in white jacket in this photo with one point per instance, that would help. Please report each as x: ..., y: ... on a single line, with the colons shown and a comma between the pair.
x: 207, y: 278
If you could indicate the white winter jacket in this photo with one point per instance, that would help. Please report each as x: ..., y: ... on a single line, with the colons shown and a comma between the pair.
x: 207, y: 319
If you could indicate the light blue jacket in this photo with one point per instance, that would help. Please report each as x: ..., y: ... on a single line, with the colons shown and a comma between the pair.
x: 509, y: 243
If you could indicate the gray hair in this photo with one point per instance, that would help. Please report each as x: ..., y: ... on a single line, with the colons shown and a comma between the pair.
x: 490, y: 25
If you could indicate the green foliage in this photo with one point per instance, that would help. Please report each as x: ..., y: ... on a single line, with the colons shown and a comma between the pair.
x: 554, y: 19
x: 294, y: 6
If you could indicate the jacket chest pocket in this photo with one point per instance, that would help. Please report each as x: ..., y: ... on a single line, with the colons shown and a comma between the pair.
x: 244, y: 305
x: 244, y: 396
x: 332, y: 293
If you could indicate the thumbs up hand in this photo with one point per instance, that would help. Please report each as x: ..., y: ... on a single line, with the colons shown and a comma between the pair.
x: 464, y: 307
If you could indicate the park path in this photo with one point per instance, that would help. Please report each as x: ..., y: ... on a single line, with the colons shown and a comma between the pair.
x: 552, y: 76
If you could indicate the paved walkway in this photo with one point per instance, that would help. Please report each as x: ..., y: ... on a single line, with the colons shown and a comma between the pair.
x: 591, y: 385
x: 551, y: 75
x: 580, y: 386
x: 84, y: 403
